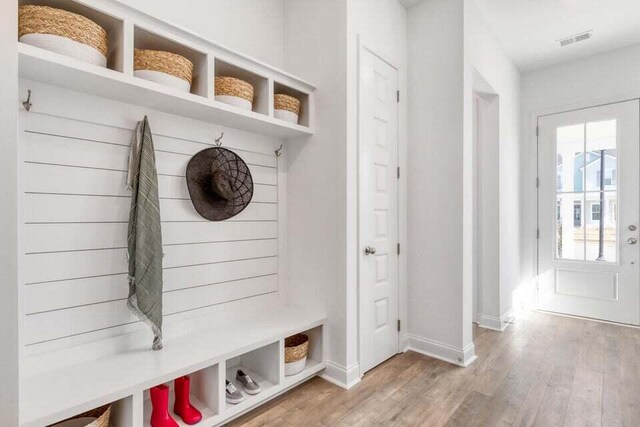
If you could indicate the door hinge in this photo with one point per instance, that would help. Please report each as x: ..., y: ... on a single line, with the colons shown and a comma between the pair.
x: 537, y: 233
x: 398, y: 325
x: 398, y: 96
x: 537, y: 182
x: 398, y: 172
x: 537, y: 131
x: 398, y: 248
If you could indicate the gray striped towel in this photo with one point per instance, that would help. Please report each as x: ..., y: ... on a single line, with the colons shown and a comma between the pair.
x: 144, y: 238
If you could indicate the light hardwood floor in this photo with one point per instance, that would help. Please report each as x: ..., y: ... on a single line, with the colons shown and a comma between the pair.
x: 543, y: 370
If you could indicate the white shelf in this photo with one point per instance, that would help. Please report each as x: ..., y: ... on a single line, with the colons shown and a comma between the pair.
x: 51, y: 68
x: 250, y: 401
x: 54, y: 396
x: 124, y: 378
x: 269, y: 390
x: 312, y: 368
x: 208, y: 416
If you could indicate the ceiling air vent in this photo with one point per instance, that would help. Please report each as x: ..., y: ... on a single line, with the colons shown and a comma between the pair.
x: 576, y: 38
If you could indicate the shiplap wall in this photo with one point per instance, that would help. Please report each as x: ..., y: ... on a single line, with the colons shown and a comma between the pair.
x: 75, y: 210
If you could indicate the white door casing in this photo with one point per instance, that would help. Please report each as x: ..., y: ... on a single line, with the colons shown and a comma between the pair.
x: 581, y: 270
x: 378, y: 210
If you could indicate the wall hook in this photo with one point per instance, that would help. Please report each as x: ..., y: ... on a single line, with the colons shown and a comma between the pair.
x: 279, y: 151
x: 218, y: 142
x: 27, y: 104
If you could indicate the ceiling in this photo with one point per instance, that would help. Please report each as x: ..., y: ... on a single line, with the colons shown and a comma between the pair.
x: 529, y: 30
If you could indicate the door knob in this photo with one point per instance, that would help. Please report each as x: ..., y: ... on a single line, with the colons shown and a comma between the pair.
x: 633, y: 227
x: 632, y: 240
x: 369, y: 250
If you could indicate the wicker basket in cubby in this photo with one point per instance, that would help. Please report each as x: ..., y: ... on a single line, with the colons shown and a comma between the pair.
x: 296, y: 349
x: 63, y: 32
x: 167, y: 68
x: 286, y: 108
x: 233, y: 91
x: 98, y: 417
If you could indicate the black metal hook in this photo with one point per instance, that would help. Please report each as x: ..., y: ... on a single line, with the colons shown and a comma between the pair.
x: 218, y: 141
x: 279, y: 151
x: 27, y: 104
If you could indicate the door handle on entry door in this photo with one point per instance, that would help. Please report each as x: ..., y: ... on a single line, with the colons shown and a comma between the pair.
x: 369, y: 250
x: 632, y: 240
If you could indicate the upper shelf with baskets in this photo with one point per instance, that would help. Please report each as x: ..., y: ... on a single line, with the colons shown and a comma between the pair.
x: 108, y: 49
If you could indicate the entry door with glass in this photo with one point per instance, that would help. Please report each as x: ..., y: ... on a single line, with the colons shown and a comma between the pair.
x: 588, y: 212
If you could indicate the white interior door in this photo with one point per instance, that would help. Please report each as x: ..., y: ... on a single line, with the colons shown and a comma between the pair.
x: 378, y: 210
x: 588, y: 212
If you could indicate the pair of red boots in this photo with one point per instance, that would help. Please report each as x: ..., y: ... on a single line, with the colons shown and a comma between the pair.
x: 160, y: 416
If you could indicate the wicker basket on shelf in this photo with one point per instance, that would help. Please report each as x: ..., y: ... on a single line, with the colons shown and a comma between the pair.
x: 286, y: 102
x: 99, y: 415
x: 163, y: 67
x: 296, y: 349
x: 287, y: 107
x: 63, y: 32
x: 234, y: 91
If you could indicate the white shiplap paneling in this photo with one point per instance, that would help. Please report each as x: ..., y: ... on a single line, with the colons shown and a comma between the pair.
x: 75, y: 218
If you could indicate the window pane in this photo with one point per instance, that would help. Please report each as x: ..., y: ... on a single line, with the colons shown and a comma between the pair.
x: 570, y: 158
x: 601, y: 147
x: 569, y: 227
x: 601, y: 246
x: 595, y: 211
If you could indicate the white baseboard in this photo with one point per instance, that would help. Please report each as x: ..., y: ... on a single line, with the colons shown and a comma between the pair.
x: 509, y: 317
x: 457, y: 356
x: 340, y: 375
x: 404, y: 343
x: 495, y: 323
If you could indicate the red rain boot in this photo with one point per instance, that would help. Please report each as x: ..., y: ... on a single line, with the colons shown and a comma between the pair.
x: 160, y: 401
x: 183, y: 407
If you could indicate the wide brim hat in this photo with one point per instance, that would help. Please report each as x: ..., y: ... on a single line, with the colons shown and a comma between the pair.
x: 220, y: 183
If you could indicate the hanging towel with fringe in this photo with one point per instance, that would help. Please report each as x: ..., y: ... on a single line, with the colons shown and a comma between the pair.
x: 144, y: 240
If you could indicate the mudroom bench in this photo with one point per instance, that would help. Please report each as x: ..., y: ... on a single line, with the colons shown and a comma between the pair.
x: 255, y: 345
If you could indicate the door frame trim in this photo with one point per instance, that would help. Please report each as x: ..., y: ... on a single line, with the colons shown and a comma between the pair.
x: 365, y: 45
x: 535, y: 117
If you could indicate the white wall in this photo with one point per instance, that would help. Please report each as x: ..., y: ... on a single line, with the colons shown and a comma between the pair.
x: 435, y: 179
x: 316, y: 46
x: 607, y: 77
x: 75, y: 215
x: 452, y: 53
x: 487, y: 204
x: 254, y: 28
x: 9, y: 303
x: 500, y: 170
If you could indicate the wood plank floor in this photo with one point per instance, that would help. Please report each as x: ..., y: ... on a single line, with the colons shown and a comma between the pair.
x: 544, y: 370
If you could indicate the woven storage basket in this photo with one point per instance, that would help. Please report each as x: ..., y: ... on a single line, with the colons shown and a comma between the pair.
x: 63, y: 32
x: 286, y: 102
x: 163, y: 67
x: 286, y: 108
x: 296, y: 349
x: 234, y: 91
x: 101, y: 416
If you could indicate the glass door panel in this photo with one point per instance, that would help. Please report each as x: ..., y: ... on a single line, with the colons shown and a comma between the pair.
x: 586, y: 191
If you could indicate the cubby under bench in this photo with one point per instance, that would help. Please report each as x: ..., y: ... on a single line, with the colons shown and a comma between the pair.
x: 254, y: 344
